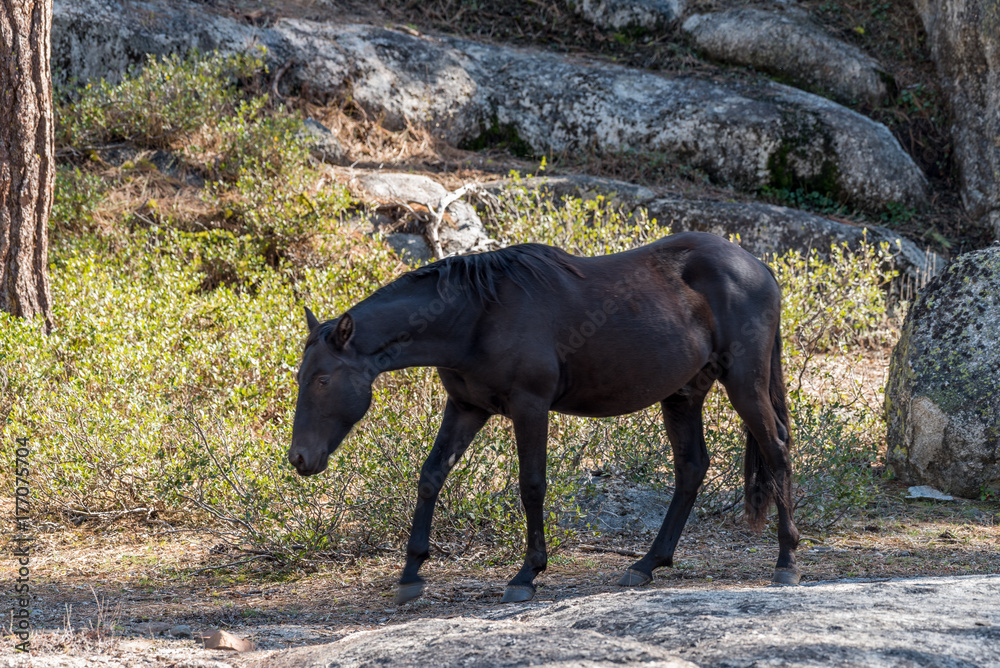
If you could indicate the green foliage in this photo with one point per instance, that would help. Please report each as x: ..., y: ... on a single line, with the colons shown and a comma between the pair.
x: 258, y: 143
x: 803, y: 199
x: 833, y: 303
x: 77, y: 195
x: 164, y: 101
x: 897, y: 213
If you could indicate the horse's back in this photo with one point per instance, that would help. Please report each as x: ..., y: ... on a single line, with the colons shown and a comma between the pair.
x: 613, y: 334
x: 638, y: 325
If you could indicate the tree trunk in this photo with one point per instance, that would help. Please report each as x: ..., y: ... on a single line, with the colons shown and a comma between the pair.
x: 27, y: 164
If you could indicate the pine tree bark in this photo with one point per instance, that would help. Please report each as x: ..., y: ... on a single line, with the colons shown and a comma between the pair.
x: 27, y: 163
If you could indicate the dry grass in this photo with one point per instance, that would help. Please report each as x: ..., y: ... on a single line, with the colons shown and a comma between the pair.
x: 149, y: 575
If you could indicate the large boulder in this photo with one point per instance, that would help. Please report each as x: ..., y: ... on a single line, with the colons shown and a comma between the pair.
x: 747, y: 135
x: 964, y: 37
x: 792, y: 48
x: 101, y: 39
x: 762, y: 228
x: 942, y: 400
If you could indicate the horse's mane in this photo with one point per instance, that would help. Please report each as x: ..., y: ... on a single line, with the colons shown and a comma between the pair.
x: 479, y: 276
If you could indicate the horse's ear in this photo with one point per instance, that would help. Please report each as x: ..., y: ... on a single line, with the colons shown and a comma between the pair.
x: 344, y: 331
x: 311, y: 320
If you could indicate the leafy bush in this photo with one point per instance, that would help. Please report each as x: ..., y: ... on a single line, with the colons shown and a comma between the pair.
x: 165, y: 101
x: 77, y: 196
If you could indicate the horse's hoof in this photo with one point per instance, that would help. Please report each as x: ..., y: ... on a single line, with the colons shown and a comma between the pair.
x: 786, y: 576
x: 408, y: 592
x: 634, y: 578
x: 518, y: 594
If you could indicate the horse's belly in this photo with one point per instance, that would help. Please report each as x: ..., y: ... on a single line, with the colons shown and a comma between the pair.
x: 624, y: 388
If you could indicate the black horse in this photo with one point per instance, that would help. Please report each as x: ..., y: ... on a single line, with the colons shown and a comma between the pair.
x: 530, y: 329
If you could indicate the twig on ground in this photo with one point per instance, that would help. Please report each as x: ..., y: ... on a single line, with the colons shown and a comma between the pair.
x: 238, y: 562
x: 610, y: 550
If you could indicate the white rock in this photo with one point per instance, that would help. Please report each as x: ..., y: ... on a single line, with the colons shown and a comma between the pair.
x: 928, y: 492
x: 616, y: 14
x: 788, y: 45
x: 461, y: 232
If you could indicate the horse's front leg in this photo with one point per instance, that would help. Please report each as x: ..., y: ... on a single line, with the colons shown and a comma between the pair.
x: 459, y: 426
x: 532, y: 431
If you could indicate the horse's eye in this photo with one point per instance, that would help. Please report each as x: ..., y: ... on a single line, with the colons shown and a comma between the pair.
x: 323, y: 380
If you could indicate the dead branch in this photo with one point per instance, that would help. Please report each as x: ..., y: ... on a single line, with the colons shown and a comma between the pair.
x: 611, y: 550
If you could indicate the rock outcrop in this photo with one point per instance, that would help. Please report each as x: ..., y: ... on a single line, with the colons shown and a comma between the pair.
x: 964, y: 36
x: 762, y: 228
x: 767, y: 228
x: 746, y: 135
x: 917, y: 622
x: 790, y: 47
x: 101, y: 39
x: 322, y: 143
x: 612, y: 506
x: 942, y: 400
x: 618, y: 14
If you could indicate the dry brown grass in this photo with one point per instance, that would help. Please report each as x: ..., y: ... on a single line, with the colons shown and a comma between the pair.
x: 150, y: 574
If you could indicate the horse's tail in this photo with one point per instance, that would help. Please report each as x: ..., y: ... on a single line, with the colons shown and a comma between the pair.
x: 760, y: 488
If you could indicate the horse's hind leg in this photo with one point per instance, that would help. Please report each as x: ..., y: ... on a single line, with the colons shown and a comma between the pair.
x: 458, y: 428
x: 768, y: 467
x: 682, y: 417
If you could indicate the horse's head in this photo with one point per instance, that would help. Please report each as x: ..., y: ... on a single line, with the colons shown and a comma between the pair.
x: 334, y: 393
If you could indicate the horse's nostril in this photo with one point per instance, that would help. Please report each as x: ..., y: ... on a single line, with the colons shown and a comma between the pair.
x: 297, y: 460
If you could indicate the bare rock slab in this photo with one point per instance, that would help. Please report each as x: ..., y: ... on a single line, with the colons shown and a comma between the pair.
x: 919, y: 622
x: 950, y: 621
x: 790, y: 46
x: 964, y: 36
x: 475, y: 642
x: 942, y: 400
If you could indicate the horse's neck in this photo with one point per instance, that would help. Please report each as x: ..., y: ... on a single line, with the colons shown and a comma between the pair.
x: 414, y: 326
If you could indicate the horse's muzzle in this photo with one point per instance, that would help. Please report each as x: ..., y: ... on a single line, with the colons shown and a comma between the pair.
x: 304, y: 465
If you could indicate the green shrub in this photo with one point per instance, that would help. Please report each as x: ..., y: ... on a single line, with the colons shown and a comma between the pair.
x: 77, y: 196
x: 165, y: 101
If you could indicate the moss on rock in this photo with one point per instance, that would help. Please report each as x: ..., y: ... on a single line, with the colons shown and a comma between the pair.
x: 942, y: 401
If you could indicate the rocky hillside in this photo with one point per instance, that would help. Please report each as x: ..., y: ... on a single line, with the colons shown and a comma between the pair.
x: 790, y: 123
